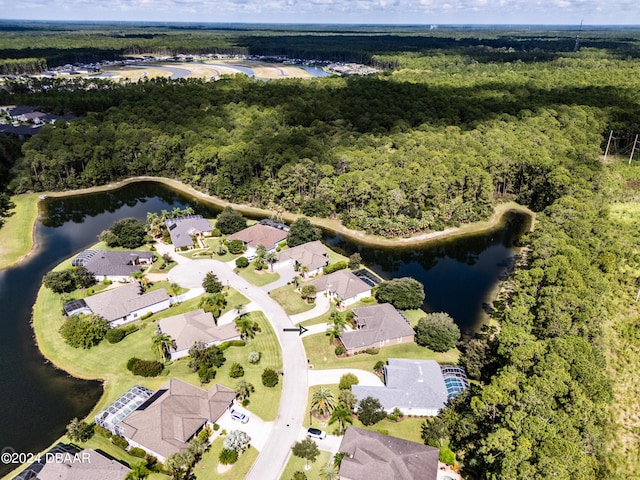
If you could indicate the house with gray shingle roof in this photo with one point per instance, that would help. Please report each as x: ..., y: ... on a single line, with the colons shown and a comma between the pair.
x: 377, y: 326
x: 124, y: 304
x: 313, y: 255
x: 113, y: 265
x: 416, y: 387
x: 165, y: 423
x: 183, y: 229
x: 195, y: 326
x: 343, y: 286
x: 372, y: 455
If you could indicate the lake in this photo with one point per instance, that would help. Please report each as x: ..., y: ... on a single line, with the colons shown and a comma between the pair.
x: 38, y: 400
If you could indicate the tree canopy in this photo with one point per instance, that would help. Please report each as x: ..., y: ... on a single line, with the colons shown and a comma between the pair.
x: 437, y: 331
x: 403, y: 293
x: 126, y: 232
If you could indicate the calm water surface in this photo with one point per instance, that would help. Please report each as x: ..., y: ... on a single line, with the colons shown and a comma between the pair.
x: 38, y: 400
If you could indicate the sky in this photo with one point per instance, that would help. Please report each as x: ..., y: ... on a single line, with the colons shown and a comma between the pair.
x: 422, y: 12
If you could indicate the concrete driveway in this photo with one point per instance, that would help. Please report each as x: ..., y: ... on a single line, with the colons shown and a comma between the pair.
x: 256, y: 428
x: 293, y: 403
x: 332, y: 376
x: 330, y: 444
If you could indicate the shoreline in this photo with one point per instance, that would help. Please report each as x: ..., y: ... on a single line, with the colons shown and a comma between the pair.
x: 331, y: 225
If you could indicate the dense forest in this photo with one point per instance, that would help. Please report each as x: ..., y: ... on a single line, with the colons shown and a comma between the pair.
x: 457, y: 122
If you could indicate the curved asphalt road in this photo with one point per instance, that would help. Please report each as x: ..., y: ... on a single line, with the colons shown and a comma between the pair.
x: 293, y: 403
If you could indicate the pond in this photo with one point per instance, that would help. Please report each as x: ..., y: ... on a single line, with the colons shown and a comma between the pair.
x: 38, y: 400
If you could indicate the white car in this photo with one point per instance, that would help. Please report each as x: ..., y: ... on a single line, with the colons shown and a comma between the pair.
x: 316, y: 433
x: 239, y: 416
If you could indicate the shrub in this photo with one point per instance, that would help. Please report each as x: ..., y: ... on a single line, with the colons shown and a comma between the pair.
x: 299, y: 476
x: 437, y: 331
x: 245, y: 402
x: 236, y: 371
x: 269, y: 377
x: 334, y: 267
x: 403, y: 293
x: 119, y: 442
x: 339, y: 350
x: 204, y: 434
x: 242, y: 262
x: 231, y: 343
x: 253, y: 357
x: 347, y: 380
x: 147, y: 368
x: 115, y: 335
x: 103, y: 432
x: 216, y: 427
x: 372, y: 351
x: 84, y: 331
x: 236, y: 247
x: 216, y: 232
x: 221, y: 250
x: 79, y: 430
x: 137, y: 452
x: 131, y: 362
x: 447, y: 456
x: 106, y: 281
x: 237, y: 440
x: 228, y: 457
x: 392, y: 418
x: 146, y: 315
x: 129, y: 329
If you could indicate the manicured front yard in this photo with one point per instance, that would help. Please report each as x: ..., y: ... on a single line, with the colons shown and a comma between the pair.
x: 258, y: 278
x: 290, y: 300
x: 321, y: 355
x: 296, y: 464
x: 208, y: 466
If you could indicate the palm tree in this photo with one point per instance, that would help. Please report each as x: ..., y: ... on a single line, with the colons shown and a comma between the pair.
x: 214, y: 304
x: 161, y: 343
x: 342, y: 415
x: 245, y: 326
x: 244, y: 389
x: 322, y: 402
x: 138, y: 472
x: 337, y: 324
x: 270, y: 258
x: 347, y: 399
x: 329, y: 472
x: 333, y: 332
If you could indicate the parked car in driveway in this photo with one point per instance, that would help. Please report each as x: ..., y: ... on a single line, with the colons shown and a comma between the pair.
x: 239, y: 416
x: 316, y: 433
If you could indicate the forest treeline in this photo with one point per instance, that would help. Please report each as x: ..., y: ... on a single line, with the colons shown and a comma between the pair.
x: 436, y: 141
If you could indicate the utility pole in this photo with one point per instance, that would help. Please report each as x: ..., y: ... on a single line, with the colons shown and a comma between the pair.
x: 608, y: 143
x: 633, y: 149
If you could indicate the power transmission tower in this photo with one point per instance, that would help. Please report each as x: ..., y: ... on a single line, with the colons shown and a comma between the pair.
x: 607, y: 150
x: 576, y: 47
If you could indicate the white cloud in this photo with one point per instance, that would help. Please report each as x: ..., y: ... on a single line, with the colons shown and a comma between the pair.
x: 336, y: 11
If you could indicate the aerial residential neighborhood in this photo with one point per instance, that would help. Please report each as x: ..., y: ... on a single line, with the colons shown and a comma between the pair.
x: 195, y: 326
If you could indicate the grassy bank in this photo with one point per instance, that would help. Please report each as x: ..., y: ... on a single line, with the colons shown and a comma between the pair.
x: 16, y: 235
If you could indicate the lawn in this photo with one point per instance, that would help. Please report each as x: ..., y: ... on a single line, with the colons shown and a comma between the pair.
x: 409, y: 428
x: 296, y: 464
x: 290, y: 300
x: 321, y: 355
x: 16, y: 235
x: 257, y: 278
x: 207, y: 467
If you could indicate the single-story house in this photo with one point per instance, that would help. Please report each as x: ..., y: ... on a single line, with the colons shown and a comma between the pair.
x: 377, y: 326
x: 260, y: 234
x: 416, y: 387
x: 112, y: 265
x: 183, y: 229
x: 313, y: 255
x: 195, y: 326
x: 64, y: 462
x: 121, y: 305
x: 375, y: 455
x: 118, y: 410
x: 344, y: 286
x: 178, y: 411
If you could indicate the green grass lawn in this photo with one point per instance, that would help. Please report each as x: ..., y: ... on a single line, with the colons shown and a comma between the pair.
x: 257, y: 278
x: 208, y: 465
x: 290, y: 300
x: 296, y: 464
x: 16, y: 235
x: 321, y: 355
x: 409, y: 428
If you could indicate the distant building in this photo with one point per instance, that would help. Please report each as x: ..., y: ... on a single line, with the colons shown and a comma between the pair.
x: 183, y: 229
x: 178, y: 411
x: 121, y: 305
x: 416, y: 387
x: 112, y: 265
x: 343, y: 286
x: 377, y: 326
x: 372, y: 455
x: 312, y: 255
x: 196, y: 326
